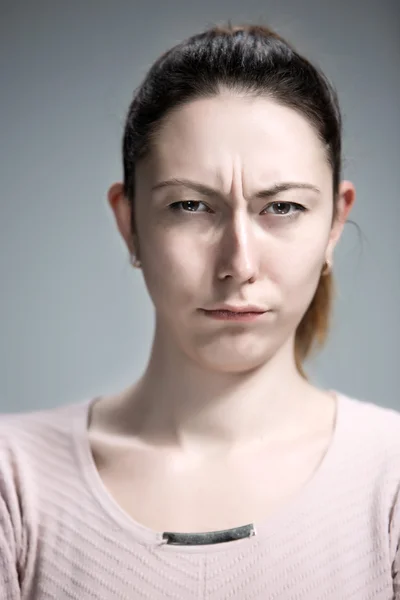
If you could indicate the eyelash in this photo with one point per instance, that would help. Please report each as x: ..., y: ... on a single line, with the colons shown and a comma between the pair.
x: 177, y: 207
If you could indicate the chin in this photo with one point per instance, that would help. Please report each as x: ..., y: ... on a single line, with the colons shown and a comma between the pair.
x: 228, y: 362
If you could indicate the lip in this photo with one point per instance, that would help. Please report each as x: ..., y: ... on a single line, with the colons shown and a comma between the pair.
x: 226, y: 312
x: 237, y: 309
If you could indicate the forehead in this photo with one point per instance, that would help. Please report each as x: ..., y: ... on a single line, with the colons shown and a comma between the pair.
x: 214, y: 138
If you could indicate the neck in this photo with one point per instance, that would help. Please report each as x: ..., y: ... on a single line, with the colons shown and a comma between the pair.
x: 180, y: 404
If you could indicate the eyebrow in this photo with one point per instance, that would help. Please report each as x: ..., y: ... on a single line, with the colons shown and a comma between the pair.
x: 205, y: 190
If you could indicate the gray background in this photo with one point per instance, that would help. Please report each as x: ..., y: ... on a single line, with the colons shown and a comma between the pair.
x: 75, y: 317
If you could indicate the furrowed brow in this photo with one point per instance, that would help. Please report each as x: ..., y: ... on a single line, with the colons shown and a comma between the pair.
x: 205, y: 190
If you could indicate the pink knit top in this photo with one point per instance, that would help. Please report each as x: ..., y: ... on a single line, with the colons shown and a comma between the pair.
x: 62, y: 536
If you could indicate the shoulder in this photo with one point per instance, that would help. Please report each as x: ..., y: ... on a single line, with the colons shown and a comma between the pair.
x: 372, y: 439
x: 36, y: 456
x: 36, y: 453
x: 370, y: 448
x: 376, y: 428
x: 23, y: 427
x: 379, y: 423
x: 34, y: 443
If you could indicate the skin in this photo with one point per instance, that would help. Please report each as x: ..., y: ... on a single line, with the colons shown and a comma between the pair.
x: 213, y: 388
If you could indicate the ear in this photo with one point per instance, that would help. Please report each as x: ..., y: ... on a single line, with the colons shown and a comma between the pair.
x: 345, y: 201
x: 122, y: 210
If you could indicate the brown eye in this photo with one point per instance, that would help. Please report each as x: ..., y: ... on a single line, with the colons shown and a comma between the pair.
x: 189, y: 206
x: 283, y: 209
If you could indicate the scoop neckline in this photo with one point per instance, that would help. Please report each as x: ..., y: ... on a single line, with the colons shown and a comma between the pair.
x: 134, y: 530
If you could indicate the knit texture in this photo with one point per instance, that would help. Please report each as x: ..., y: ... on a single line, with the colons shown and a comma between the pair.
x: 63, y: 536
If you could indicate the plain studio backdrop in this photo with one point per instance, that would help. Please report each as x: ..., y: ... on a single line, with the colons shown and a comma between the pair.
x: 75, y: 316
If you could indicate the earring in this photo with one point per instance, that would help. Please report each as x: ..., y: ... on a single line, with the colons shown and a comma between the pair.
x: 135, y: 262
x: 327, y: 268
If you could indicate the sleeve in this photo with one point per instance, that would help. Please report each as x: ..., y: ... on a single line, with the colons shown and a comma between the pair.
x: 9, y: 533
x: 394, y: 531
x: 396, y: 575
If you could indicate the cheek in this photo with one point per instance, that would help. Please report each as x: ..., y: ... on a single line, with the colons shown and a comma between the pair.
x: 298, y: 257
x: 296, y: 273
x: 300, y: 265
x: 174, y: 269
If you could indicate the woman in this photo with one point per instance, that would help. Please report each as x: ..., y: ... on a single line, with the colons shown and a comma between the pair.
x: 223, y: 472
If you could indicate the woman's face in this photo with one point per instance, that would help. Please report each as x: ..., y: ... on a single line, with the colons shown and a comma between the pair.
x: 234, y: 206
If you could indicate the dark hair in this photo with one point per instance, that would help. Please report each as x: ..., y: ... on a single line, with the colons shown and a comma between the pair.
x: 254, y: 60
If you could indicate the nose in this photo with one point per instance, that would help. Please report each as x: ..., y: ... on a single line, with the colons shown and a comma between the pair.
x: 238, y: 251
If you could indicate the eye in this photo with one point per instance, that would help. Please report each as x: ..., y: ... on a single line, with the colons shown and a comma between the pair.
x: 283, y: 208
x: 189, y: 206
